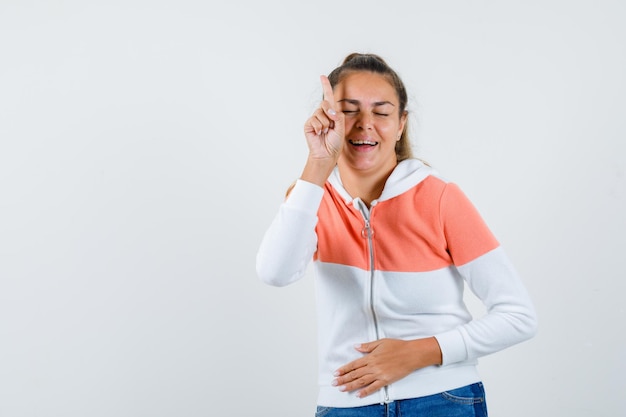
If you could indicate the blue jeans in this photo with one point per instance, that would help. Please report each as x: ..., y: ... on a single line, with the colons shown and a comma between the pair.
x: 468, y: 401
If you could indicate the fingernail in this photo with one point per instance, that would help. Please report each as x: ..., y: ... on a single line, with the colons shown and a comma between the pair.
x: 336, y: 373
x: 332, y: 112
x: 334, y: 383
x: 326, y: 131
x: 342, y: 388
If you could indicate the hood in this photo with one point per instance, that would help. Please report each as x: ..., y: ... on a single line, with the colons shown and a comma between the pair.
x: 406, y: 174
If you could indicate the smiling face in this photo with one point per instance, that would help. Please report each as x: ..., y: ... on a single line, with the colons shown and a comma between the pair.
x: 373, y: 122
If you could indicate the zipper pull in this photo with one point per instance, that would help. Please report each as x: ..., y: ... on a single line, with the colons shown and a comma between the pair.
x: 367, y: 232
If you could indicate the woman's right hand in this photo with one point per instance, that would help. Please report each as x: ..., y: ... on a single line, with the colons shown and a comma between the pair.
x: 325, y: 129
x: 324, y: 132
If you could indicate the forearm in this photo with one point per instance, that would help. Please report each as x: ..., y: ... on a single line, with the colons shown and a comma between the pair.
x: 510, y: 317
x: 290, y: 241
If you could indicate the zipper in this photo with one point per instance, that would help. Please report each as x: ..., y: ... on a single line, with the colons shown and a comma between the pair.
x: 368, y: 233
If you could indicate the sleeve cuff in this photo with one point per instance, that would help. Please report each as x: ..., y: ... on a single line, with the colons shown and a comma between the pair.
x: 452, y: 347
x: 305, y: 196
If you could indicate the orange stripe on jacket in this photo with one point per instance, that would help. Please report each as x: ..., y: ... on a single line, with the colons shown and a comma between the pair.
x: 429, y: 227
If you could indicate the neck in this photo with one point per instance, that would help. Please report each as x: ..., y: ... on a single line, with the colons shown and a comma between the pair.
x: 367, y: 186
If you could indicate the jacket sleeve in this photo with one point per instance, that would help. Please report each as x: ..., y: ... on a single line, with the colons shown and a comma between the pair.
x: 483, y: 264
x: 290, y: 242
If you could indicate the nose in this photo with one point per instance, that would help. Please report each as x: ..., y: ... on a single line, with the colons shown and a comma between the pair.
x: 364, y: 121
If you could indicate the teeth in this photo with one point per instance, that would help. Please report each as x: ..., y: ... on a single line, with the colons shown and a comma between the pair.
x: 362, y: 142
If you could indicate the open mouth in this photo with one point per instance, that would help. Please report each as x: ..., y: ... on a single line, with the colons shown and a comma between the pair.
x: 362, y: 142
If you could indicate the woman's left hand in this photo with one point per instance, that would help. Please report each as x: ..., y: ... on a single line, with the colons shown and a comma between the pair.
x: 386, y: 361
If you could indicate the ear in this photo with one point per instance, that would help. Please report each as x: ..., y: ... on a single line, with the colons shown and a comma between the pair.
x: 403, y: 119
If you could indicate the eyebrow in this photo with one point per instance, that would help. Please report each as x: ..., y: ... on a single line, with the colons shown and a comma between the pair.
x: 357, y: 102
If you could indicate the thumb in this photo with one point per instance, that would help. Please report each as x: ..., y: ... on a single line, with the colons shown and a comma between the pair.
x: 367, y: 347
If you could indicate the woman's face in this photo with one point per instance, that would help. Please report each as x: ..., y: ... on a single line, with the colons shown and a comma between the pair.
x: 373, y: 122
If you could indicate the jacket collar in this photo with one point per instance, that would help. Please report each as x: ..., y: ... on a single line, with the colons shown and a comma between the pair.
x: 407, y: 174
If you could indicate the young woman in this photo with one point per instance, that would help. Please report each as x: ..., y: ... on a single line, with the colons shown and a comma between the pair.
x: 392, y: 245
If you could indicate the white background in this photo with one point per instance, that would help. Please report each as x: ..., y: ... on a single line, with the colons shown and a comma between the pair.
x: 146, y: 145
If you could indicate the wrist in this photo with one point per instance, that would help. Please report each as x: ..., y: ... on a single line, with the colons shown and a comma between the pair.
x: 426, y: 352
x: 317, y: 170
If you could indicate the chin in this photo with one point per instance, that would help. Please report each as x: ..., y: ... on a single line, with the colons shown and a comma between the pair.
x: 360, y: 165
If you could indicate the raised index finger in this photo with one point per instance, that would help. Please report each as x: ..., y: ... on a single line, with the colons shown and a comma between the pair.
x: 328, y: 90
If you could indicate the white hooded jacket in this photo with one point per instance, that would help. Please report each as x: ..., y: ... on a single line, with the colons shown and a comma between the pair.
x: 397, y: 270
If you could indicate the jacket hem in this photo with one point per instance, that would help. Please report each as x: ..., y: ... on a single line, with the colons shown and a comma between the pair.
x: 415, y: 385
